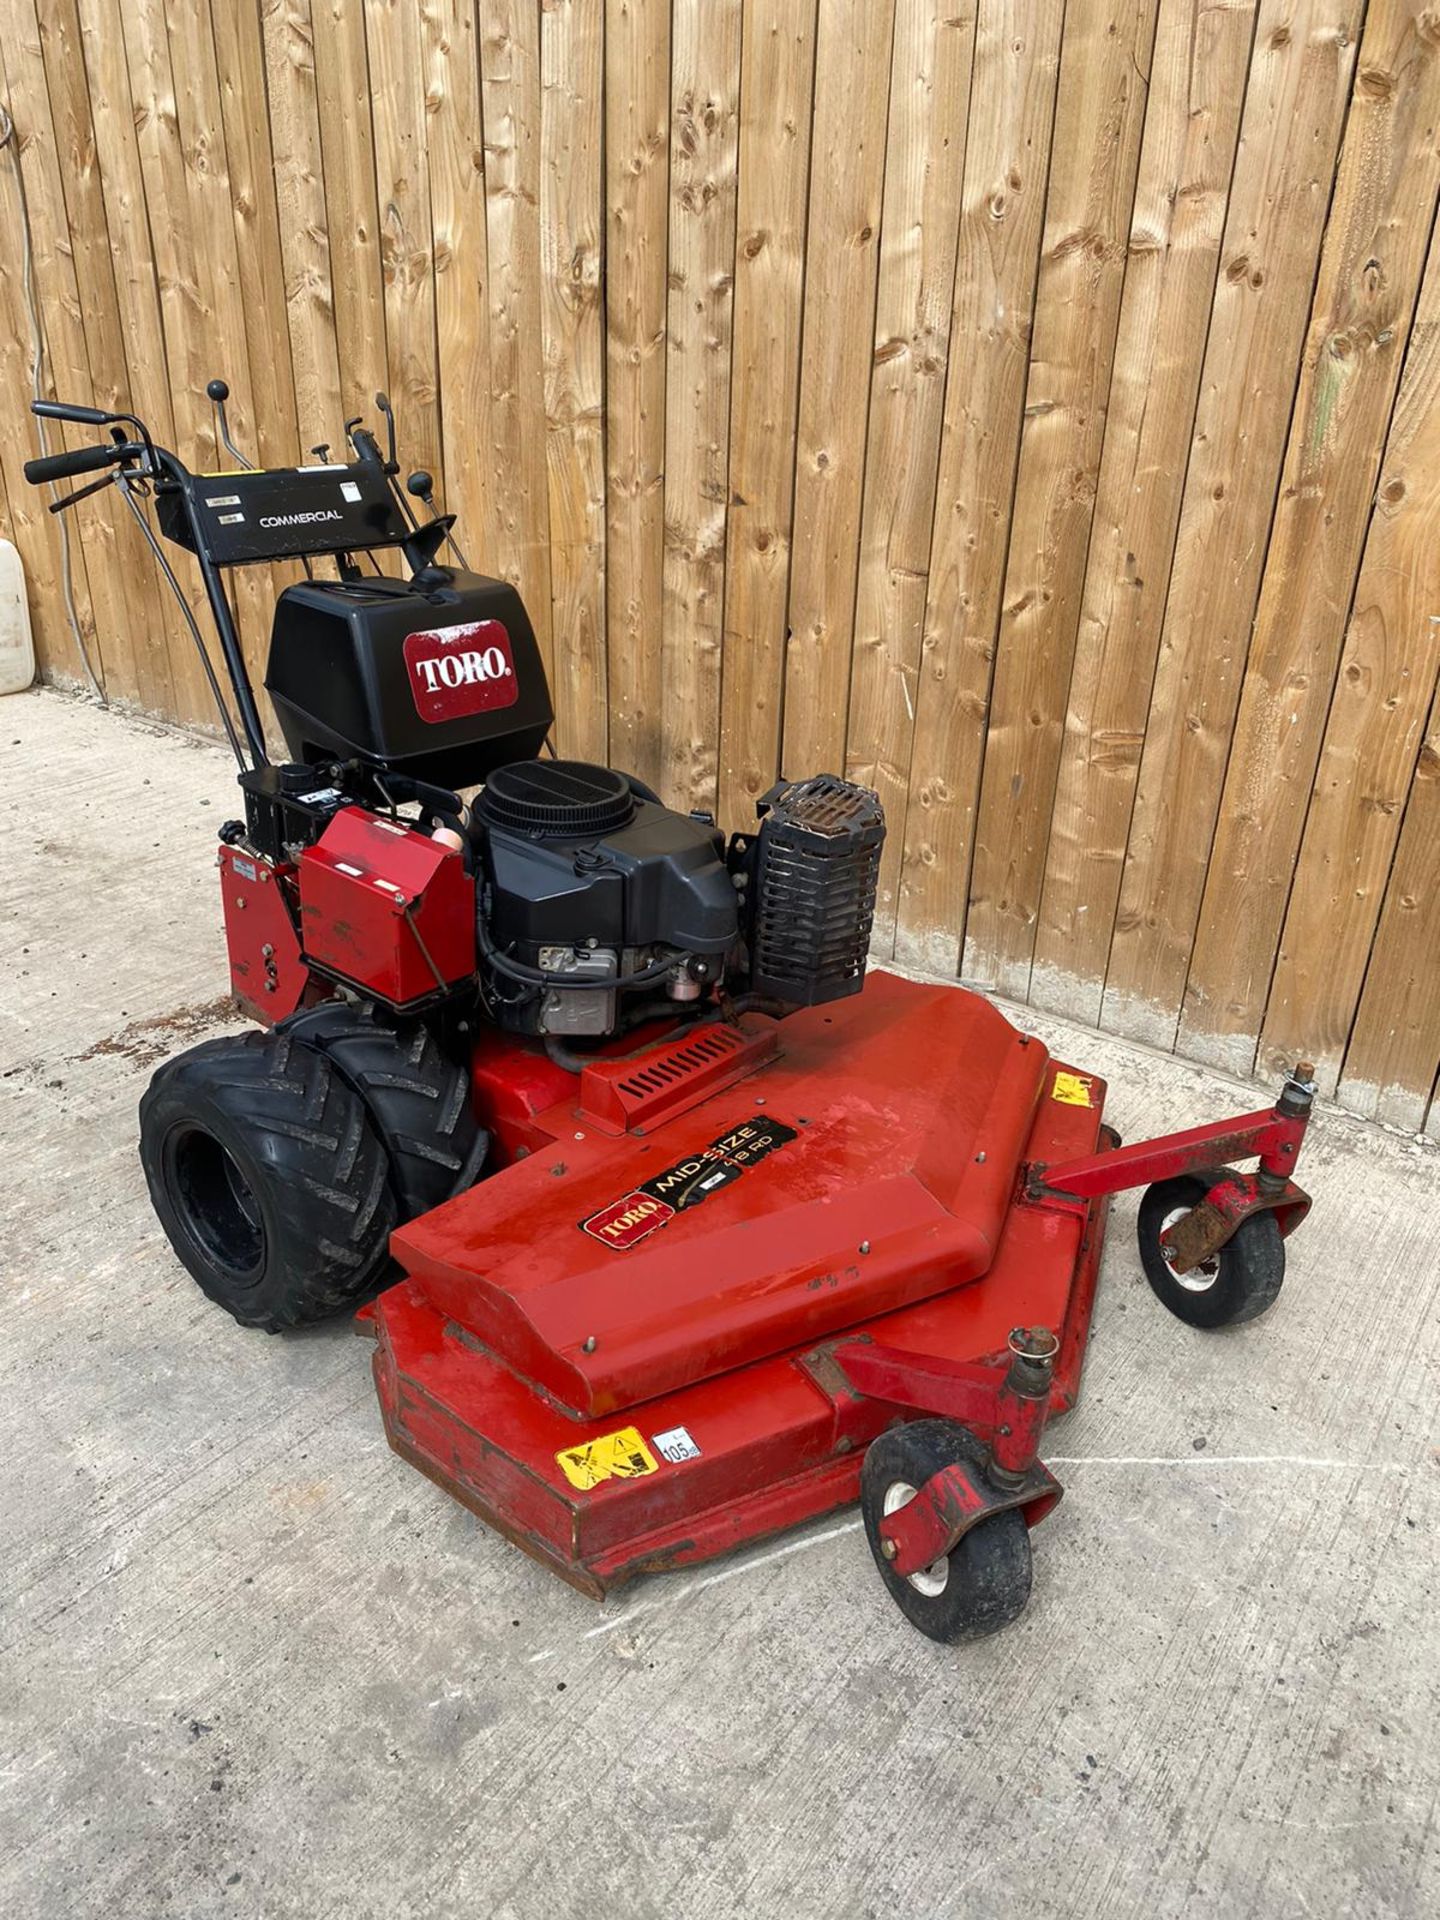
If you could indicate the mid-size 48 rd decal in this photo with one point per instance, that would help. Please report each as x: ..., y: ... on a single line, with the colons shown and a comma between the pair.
x: 686, y: 1184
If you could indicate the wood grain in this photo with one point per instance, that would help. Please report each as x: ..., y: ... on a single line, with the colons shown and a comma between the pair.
x: 572, y: 228
x: 304, y: 233
x: 402, y: 185
x: 343, y: 93
x: 108, y: 638
x: 1364, y: 304
x: 1017, y: 54
x: 1099, y: 113
x: 704, y: 139
x: 777, y: 83
x: 519, y: 524
x: 1300, y: 81
x: 1192, y: 124
x: 637, y: 146
x: 934, y: 47
x: 456, y: 156
x: 1373, y: 733
x: 1394, y: 1051
x: 847, y: 181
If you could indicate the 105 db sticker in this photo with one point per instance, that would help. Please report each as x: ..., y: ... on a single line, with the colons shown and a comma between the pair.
x: 628, y: 1220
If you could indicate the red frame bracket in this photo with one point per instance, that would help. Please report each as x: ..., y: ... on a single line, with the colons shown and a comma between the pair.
x: 1004, y: 1405
x: 953, y: 1501
x: 1273, y: 1136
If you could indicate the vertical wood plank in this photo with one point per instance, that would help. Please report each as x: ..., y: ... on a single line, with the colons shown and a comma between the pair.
x: 1394, y: 1052
x: 65, y: 369
x: 462, y: 268
x: 1099, y: 113
x: 919, y: 234
x: 118, y: 115
x: 704, y: 137
x: 637, y: 146
x: 398, y: 114
x: 345, y: 93
x: 215, y: 330
x: 572, y: 226
x: 1383, y: 692
x: 1300, y: 85
x: 510, y: 93
x: 240, y: 55
x: 776, y: 90
x: 96, y: 137
x: 304, y: 234
x: 842, y: 242
x: 35, y: 533
x: 1017, y: 57
x: 1370, y: 270
x: 1192, y: 124
x: 163, y: 168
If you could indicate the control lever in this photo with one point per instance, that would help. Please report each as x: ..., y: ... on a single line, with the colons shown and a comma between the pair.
x: 80, y: 493
x: 384, y: 408
x: 218, y: 393
x: 422, y: 485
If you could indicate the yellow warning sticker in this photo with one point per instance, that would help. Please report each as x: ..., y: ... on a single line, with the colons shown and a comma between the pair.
x: 614, y: 1456
x: 1073, y: 1089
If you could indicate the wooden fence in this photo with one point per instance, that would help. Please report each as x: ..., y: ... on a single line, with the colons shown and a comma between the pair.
x: 1030, y: 408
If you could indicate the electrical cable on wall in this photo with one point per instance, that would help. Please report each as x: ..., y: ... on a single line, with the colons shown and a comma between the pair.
x: 11, y: 144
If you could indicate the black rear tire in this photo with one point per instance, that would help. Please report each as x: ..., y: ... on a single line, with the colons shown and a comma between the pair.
x: 417, y: 1097
x: 984, y: 1582
x: 1238, y: 1283
x: 268, y: 1179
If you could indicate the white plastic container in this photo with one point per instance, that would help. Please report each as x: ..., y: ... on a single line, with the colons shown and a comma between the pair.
x: 17, y: 648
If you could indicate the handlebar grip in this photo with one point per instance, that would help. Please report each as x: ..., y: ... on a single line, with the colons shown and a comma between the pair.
x: 62, y: 410
x: 61, y: 466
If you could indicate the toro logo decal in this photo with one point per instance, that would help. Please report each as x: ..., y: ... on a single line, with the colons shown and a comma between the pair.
x: 689, y: 1182
x: 456, y: 671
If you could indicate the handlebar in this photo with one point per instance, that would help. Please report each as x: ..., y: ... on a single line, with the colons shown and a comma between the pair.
x: 81, y: 416
x: 63, y: 466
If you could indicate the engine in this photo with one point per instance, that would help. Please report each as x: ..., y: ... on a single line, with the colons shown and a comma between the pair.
x: 572, y: 900
x: 588, y: 878
x: 598, y: 901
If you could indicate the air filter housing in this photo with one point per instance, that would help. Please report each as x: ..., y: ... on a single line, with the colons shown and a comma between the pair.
x: 557, y: 799
x: 815, y: 866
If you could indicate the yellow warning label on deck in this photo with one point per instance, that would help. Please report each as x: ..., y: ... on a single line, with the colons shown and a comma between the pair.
x: 1073, y: 1089
x: 614, y: 1456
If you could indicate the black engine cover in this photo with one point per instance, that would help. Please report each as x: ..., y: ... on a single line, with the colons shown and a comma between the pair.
x: 575, y: 853
x: 443, y: 682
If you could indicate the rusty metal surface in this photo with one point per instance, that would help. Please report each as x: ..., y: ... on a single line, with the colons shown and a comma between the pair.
x: 1234, y: 1198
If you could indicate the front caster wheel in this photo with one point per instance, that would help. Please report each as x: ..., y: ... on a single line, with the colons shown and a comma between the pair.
x: 1237, y: 1283
x: 982, y: 1584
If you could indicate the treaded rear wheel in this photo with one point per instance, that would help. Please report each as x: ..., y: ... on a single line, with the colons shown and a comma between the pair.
x: 417, y: 1097
x: 268, y: 1179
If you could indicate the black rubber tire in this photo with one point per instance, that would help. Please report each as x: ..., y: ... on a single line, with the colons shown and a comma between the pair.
x: 987, y: 1576
x: 417, y: 1097
x: 268, y: 1179
x: 1242, y: 1280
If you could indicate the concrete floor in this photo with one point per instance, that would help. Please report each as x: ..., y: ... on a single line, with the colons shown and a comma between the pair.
x: 254, y: 1664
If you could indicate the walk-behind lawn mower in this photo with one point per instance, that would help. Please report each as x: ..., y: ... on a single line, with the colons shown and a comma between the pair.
x: 671, y: 1230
